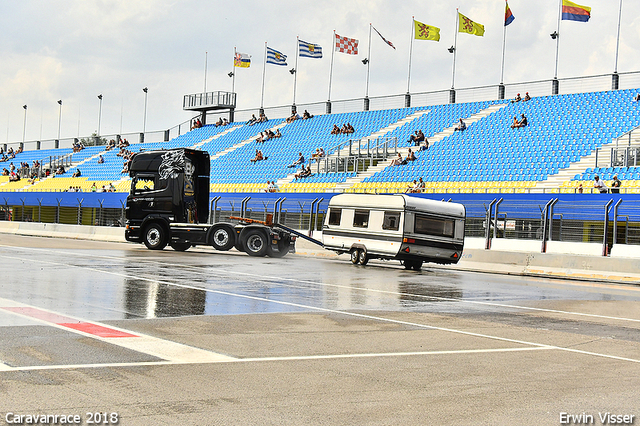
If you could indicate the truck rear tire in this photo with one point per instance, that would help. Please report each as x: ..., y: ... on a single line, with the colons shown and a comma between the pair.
x: 180, y: 246
x: 222, y: 237
x: 255, y: 242
x: 279, y: 250
x: 155, y: 237
x: 355, y: 256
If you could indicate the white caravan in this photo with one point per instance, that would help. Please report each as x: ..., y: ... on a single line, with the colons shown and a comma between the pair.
x: 411, y: 229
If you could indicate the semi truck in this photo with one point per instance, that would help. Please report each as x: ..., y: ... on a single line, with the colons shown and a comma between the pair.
x: 168, y: 204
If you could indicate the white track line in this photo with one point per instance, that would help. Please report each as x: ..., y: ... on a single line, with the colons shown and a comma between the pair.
x: 275, y: 359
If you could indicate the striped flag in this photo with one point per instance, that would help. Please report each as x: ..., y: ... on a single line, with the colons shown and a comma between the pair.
x: 383, y: 39
x: 346, y: 45
x: 276, y: 58
x: 309, y: 50
x: 574, y: 12
x: 508, y: 16
x: 242, y: 60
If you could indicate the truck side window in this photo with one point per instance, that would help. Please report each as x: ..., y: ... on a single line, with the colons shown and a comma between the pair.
x: 391, y: 221
x: 334, y: 216
x: 361, y: 219
x: 144, y: 183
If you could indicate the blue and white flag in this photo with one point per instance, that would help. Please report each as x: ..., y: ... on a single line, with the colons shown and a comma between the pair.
x: 276, y: 58
x: 309, y: 50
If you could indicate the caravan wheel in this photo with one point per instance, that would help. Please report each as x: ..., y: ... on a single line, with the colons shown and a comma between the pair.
x: 363, y: 257
x: 355, y: 256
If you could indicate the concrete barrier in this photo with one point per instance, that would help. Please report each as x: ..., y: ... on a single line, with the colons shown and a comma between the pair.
x: 96, y: 233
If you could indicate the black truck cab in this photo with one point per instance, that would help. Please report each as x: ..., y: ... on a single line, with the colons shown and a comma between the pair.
x: 169, y: 204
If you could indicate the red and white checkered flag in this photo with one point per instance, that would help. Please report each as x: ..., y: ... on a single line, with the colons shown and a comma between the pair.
x: 346, y: 45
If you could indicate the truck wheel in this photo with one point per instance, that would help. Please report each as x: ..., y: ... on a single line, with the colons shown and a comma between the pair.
x: 408, y: 264
x: 222, y: 237
x: 417, y: 265
x: 155, y: 237
x: 363, y: 257
x: 355, y: 256
x: 180, y: 246
x: 279, y: 250
x: 255, y: 243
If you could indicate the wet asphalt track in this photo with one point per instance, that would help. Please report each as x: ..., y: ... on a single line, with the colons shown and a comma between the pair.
x: 205, y: 337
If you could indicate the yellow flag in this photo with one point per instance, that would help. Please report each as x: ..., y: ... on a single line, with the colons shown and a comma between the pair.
x: 466, y: 25
x: 426, y: 32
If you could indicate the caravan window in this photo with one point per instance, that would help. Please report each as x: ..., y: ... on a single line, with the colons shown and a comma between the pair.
x: 361, y: 219
x: 391, y: 221
x: 433, y: 226
x: 334, y: 216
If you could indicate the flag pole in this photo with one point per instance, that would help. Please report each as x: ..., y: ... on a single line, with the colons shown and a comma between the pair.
x: 295, y: 72
x: 206, y: 60
x: 333, y: 49
x: 555, y: 74
x: 618, y: 38
x: 455, y: 50
x: 504, y: 44
x: 233, y: 74
x: 366, y: 94
x: 264, y: 69
x: 413, y: 26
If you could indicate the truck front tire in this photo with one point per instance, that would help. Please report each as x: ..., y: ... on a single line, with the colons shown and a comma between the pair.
x: 155, y: 236
x: 180, y: 246
x: 255, y: 242
x: 279, y: 250
x: 222, y: 237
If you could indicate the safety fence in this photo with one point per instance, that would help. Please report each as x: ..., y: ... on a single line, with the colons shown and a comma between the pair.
x: 605, y: 220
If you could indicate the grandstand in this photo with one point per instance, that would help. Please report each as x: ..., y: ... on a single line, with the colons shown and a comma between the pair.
x: 556, y: 152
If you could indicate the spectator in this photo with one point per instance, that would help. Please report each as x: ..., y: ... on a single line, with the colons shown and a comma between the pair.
x: 523, y: 121
x: 13, y: 177
x: 397, y: 161
x: 299, y: 161
x: 515, y: 123
x: 417, y: 137
x: 335, y: 130
x: 599, y: 185
x: 421, y: 185
x: 580, y: 189
x: 318, y: 154
x: 277, y: 134
x: 615, y: 185
x: 76, y: 173
x: 5, y: 172
x: 410, y: 156
x: 225, y: 122
x: 219, y: 122
x: 94, y: 188
x: 258, y: 157
x: 350, y: 128
x: 306, y: 115
x: 414, y: 187
x: 293, y: 117
x: 461, y: 126
x: 263, y: 118
x: 111, y: 187
x: 637, y: 98
x: 100, y: 159
x: 252, y: 120
x: 303, y: 173
x: 527, y: 97
x: 517, y: 98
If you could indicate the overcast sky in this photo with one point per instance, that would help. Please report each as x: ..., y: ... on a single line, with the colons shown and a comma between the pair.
x: 74, y: 50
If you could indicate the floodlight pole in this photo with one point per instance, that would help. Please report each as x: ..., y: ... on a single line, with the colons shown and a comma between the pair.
x: 99, y: 113
x: 24, y: 125
x: 59, y: 118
